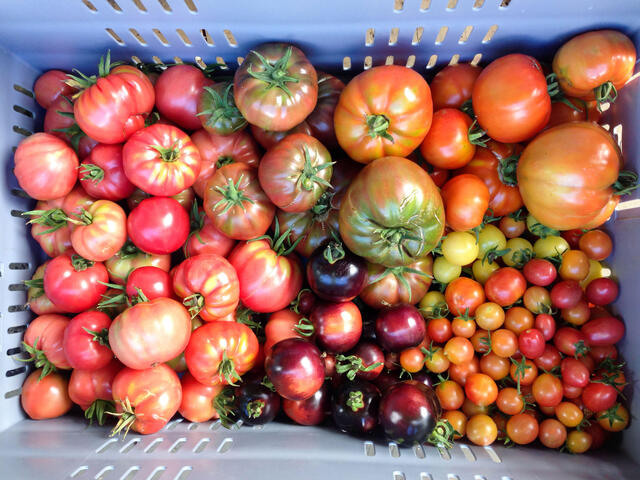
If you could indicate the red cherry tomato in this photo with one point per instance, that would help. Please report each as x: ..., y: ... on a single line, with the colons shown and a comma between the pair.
x: 602, y: 291
x: 531, y: 343
x: 505, y: 286
x: 566, y: 294
x: 603, y: 331
x: 546, y: 324
x: 540, y: 272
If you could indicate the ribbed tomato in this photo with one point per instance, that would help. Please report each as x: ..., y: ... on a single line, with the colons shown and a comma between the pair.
x: 91, y: 389
x: 102, y: 173
x: 205, y: 237
x: 43, y: 342
x: 100, y: 231
x: 217, y: 110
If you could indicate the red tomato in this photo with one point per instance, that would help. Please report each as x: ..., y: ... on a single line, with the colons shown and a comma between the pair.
x: 505, y: 286
x: 383, y: 111
x: 602, y: 291
x: 570, y: 341
x: 37, y: 300
x: 198, y: 400
x: 599, y: 354
x: 549, y: 359
x: 45, y: 166
x: 596, y: 244
x: 219, y: 150
x: 115, y: 105
x: 159, y: 225
x: 522, y: 428
x: 86, y: 341
x: 466, y: 199
x: 208, y: 285
x: 481, y: 389
x: 599, y: 396
x: 566, y: 294
x: 185, y: 198
x: 547, y: 390
x: 459, y: 350
x: 452, y: 86
x: 236, y: 204
x: 49, y: 227
x: 572, y: 237
x: 510, y: 98
x: 178, y: 90
x: 295, y: 368
x: 45, y: 398
x: 531, y: 343
x: 464, y: 295
x: 75, y: 284
x: 461, y: 371
x: 270, y: 138
x: 43, y: 341
x: 131, y: 257
x: 580, y: 111
x: 450, y: 395
x: 540, y: 272
x: 447, y: 144
x: 269, y: 280
x: 161, y: 160
x: 311, y: 411
x: 153, y: 282
x: 100, y: 231
x: 546, y: 324
x: 338, y: 326
x: 102, y: 175
x: 574, y: 372
x: 152, y: 396
x: 321, y: 119
x: 439, y: 330
x: 219, y: 353
x: 91, y: 389
x: 150, y: 332
x: 603, y: 331
x: 50, y: 86
x: 204, y: 237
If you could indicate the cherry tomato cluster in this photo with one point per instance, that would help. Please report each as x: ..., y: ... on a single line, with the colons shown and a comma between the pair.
x: 217, y: 252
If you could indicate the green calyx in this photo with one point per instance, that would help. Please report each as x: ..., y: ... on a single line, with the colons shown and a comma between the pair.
x: 223, y: 404
x: 81, y: 81
x: 396, y: 237
x: 255, y: 408
x: 333, y: 252
x: 97, y: 411
x: 54, y: 218
x: 476, y: 135
x: 129, y: 250
x: 442, y: 434
x: 224, y: 160
x: 223, y: 108
x: 438, y: 310
x: 309, y: 175
x: 280, y: 243
x: 467, y: 107
x: 196, y: 222
x: 126, y: 418
x: 322, y: 207
x: 350, y: 365
x: 168, y: 154
x: 80, y: 264
x: 520, y: 371
x: 102, y: 337
x: 493, y: 254
x: 378, y: 126
x: 274, y: 74
x: 355, y: 401
x: 626, y: 183
x: 232, y: 196
x: 194, y: 303
x: 38, y: 358
x: 246, y: 316
x: 400, y: 273
x: 605, y: 93
x: 91, y: 173
x: 538, y: 229
x: 521, y: 257
x: 304, y: 327
x: 507, y: 170
x: 227, y: 370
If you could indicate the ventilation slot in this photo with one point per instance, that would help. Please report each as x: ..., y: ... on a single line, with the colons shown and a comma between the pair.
x: 140, y: 6
x: 442, y: 34
x: 19, y: 266
x: 454, y: 59
x: 178, y: 60
x: 13, y: 393
x: 206, y: 37
x: 505, y: 3
x: 14, y: 351
x: 103, y: 473
x: 490, y: 33
x: 394, y: 451
x: 418, y: 451
x: 425, y: 5
x: 201, y: 445
x: 432, y: 61
x: 369, y: 449
x: 22, y: 90
x: 130, y: 473
x: 369, y: 37
x: 476, y: 59
x: 451, y: 4
x: 464, y: 37
x: 202, y: 65
x: 346, y: 63
x: 231, y: 40
x: 411, y: 61
x: 16, y: 308
x: 130, y: 445
x: 477, y: 4
x: 17, y: 287
x: 106, y: 445
x: 153, y: 445
x: 79, y: 471
x: 225, y: 446
x: 165, y: 6
x: 135, y: 34
x: 368, y: 61
x: 183, y: 36
x: 116, y: 38
x: 240, y: 60
x: 398, y: 5
x: 89, y: 5
x: 398, y: 475
x: 417, y: 36
x: 389, y: 60
x: 220, y: 61
x: 23, y: 111
x: 157, y: 473
x: 393, y: 36
x: 493, y: 455
x: 115, y: 5
x: 16, y: 371
x: 16, y: 329
x: 184, y: 473
x: 191, y: 6
x: 468, y: 454
x: 177, y: 445
x: 136, y: 60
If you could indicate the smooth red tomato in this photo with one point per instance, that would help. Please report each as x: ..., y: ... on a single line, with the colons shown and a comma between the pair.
x: 481, y: 430
x: 461, y: 371
x: 452, y: 86
x: 466, y: 199
x: 47, y: 397
x: 439, y: 329
x: 596, y: 244
x: 131, y: 257
x: 510, y: 98
x: 44, y: 342
x: 152, y: 282
x: 522, y: 428
x: 100, y: 231
x: 540, y: 272
x: 219, y: 353
x: 574, y: 372
x: 566, y: 294
x: 383, y: 111
x: 570, y: 341
x: 184, y: 198
x: 219, y: 150
x: 204, y: 237
x: 45, y: 166
x: 75, y: 284
x: 321, y: 119
x: 159, y: 225
x: 512, y: 227
x: 50, y: 86
x: 509, y: 401
x: 549, y: 359
x: 547, y: 390
x: 150, y: 332
x: 464, y: 295
x: 115, y: 105
x: 152, y: 396
x: 481, y: 389
x: 531, y: 343
x: 102, y: 174
x: 86, y: 341
x: 603, y: 331
x: 178, y: 90
x: 602, y: 291
x: 546, y: 324
x: 91, y: 389
x: 447, y: 144
x: 198, y: 400
x: 338, y: 326
x: 572, y: 237
x: 599, y: 396
x: 505, y: 286
x: 269, y: 281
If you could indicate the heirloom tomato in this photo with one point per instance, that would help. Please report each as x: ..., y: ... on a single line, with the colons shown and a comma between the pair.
x: 102, y: 174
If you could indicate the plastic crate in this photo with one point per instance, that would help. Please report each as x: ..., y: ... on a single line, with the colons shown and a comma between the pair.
x: 36, y: 35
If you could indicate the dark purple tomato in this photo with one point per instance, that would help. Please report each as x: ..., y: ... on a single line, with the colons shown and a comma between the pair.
x: 400, y: 327
x: 337, y: 326
x: 423, y: 378
x: 385, y: 380
x: 335, y: 274
x: 602, y: 291
x: 366, y: 362
x: 295, y: 368
x: 305, y: 302
x: 355, y: 406
x: 408, y: 413
x: 330, y: 372
x: 256, y: 404
x: 540, y: 272
x: 311, y: 411
x: 566, y: 294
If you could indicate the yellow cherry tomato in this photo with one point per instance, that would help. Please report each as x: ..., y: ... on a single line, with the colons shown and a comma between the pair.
x: 482, y: 270
x: 552, y: 246
x: 520, y: 252
x: 433, y: 305
x: 460, y: 248
x: 490, y: 239
x: 445, y: 272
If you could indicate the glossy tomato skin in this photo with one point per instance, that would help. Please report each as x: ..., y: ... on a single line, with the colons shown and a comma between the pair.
x: 466, y: 199
x: 369, y: 353
x: 87, y: 386
x: 603, y: 331
x: 81, y: 349
x: 103, y: 232
x: 45, y: 166
x: 355, y: 406
x: 321, y: 119
x: 400, y: 327
x: 205, y: 237
x: 153, y: 282
x: 336, y: 280
x: 116, y: 106
x: 602, y: 291
x: 599, y: 396
x: 510, y: 98
x: 453, y: 85
x: 241, y: 216
x: 46, y: 333
x: 570, y: 341
x: 268, y: 282
x: 161, y: 160
x: 270, y: 138
x: 218, y: 150
x: 50, y: 86
x: 295, y: 368
x: 593, y: 58
x: 382, y: 209
x: 150, y: 332
x: 73, y: 284
x: 386, y: 289
x: 281, y: 325
x: 256, y: 403
x: 154, y: 393
x: 574, y: 372
x: 216, y: 344
x: 185, y: 198
x: 447, y: 143
x: 390, y: 95
x: 580, y: 111
x: 45, y: 398
x: 217, y: 110
x: 505, y: 286
x: 131, y: 257
x: 159, y: 225
x: 590, y: 157
x: 276, y: 108
x: 464, y: 295
x: 197, y: 399
x: 295, y: 172
x: 178, y: 90
x: 338, y: 326
x: 540, y: 272
x: 531, y: 343
x: 102, y: 174
x: 37, y: 300
x: 311, y: 411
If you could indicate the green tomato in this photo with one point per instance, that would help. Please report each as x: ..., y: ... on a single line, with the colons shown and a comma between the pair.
x: 491, y: 239
x: 460, y: 248
x: 434, y: 305
x: 538, y: 229
x: 483, y: 270
x: 552, y: 247
x: 520, y: 252
x: 445, y: 272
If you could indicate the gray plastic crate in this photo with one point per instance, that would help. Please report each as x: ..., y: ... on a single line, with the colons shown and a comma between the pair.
x: 36, y: 35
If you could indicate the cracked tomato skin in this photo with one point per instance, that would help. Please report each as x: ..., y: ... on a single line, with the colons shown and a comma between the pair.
x: 154, y: 394
x: 274, y: 108
x: 398, y: 93
x: 392, y: 213
x: 116, y: 106
x: 593, y: 58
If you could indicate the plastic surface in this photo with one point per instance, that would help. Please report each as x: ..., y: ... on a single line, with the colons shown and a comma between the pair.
x: 350, y: 35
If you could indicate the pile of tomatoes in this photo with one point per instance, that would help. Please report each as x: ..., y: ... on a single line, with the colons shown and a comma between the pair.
x: 237, y: 246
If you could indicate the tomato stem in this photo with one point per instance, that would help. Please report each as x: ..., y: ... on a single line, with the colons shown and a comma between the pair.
x: 168, y: 154
x: 605, y: 93
x: 274, y: 74
x: 255, y: 408
x: 102, y: 337
x: 224, y: 160
x: 507, y: 170
x: 378, y: 126
x: 80, y: 264
x: 98, y: 409
x: 627, y: 182
x: 305, y: 327
x: 476, y: 135
x: 54, y: 218
x: 194, y: 303
x: 352, y: 364
x: 38, y: 358
x: 223, y: 405
x: 91, y: 173
x: 309, y: 176
x: 355, y: 401
x: 333, y: 252
x: 126, y: 420
x: 232, y: 196
x: 227, y: 369
x: 222, y: 108
x: 442, y: 434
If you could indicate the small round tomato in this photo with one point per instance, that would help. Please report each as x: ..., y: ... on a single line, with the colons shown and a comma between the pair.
x: 447, y: 144
x: 566, y: 294
x: 481, y: 430
x: 458, y: 350
x: 91, y: 390
x: 489, y: 316
x: 482, y: 270
x: 509, y: 401
x: 151, y: 282
x: 466, y: 199
x: 512, y: 227
x: 505, y: 286
x: 494, y: 366
x: 504, y: 343
x: 540, y: 272
x: 602, y: 291
x: 551, y: 246
x: 531, y: 343
x: 537, y: 300
x: 578, y: 441
x: 86, y: 341
x: 570, y: 341
x: 463, y: 296
x: 439, y: 329
x: 574, y: 266
x: 518, y: 319
x: 458, y: 421
x: 452, y: 86
x: 614, y: 419
x: 522, y: 428
x: 131, y: 257
x: 569, y: 414
x: 412, y: 360
x: 444, y: 271
x: 50, y: 86
x: 523, y: 372
x: 460, y: 248
x: 549, y: 359
x: 547, y: 390
x: 599, y: 396
x: 46, y: 397
x: 603, y: 331
x: 159, y: 225
x: 204, y: 237
x: 296, y: 369
x: 576, y: 315
x: 546, y: 324
x: 461, y: 371
x: 436, y: 361
x: 596, y: 244
x: 198, y: 400
x: 450, y: 395
x: 44, y: 342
